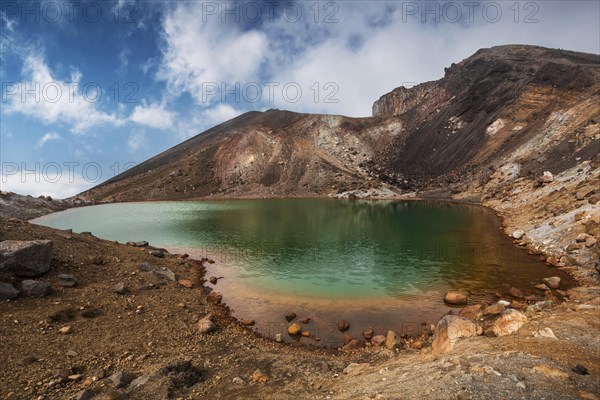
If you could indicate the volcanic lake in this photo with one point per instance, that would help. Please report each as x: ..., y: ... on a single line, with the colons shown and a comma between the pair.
x: 379, y: 264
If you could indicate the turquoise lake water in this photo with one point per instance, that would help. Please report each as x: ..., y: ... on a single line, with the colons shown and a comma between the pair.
x: 381, y: 262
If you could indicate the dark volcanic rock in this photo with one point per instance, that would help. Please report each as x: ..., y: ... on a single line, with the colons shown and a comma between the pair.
x: 25, y: 258
x: 36, y: 289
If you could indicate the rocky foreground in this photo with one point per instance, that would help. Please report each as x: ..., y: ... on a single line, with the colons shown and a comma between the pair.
x: 89, y: 318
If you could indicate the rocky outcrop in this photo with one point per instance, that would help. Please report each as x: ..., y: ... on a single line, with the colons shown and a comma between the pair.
x: 402, y: 99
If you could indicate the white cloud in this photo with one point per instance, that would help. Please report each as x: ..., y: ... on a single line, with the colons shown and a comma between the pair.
x: 136, y: 141
x: 53, y: 100
x: 199, y: 53
x: 48, y: 183
x: 46, y: 138
x: 154, y: 116
x: 373, y: 48
x: 219, y: 114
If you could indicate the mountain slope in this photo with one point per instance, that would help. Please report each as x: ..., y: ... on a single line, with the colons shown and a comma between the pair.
x: 507, y: 101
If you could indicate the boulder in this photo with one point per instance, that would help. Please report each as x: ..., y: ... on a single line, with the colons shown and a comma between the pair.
x: 120, y: 379
x: 8, y: 291
x: 509, y: 322
x: 295, y: 329
x: 205, y: 325
x: 390, y: 340
x: 37, y: 289
x: 553, y: 282
x: 378, y: 340
x: 343, y: 325
x: 214, y: 297
x: 449, y: 330
x: 289, y: 317
x: 25, y: 258
x: 456, y: 297
x: 368, y: 334
x: 353, y: 344
x: 66, y: 280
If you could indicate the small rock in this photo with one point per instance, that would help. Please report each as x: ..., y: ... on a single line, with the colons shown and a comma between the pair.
x: 71, y: 353
x: 214, y: 297
x: 456, y: 297
x: 146, y: 267
x: 156, y: 253
x: 294, y: 329
x: 278, y: 337
x: 539, y: 306
x: 580, y: 195
x: 119, y: 288
x: 289, y: 317
x: 510, y: 322
x: 550, y: 372
x: 305, y: 333
x: 65, y: 330
x: 142, y: 243
x: 28, y: 360
x: 165, y: 273
x: 518, y: 234
x: 390, y: 340
x: 248, y: 322
x: 66, y: 280
x: 8, y: 291
x: 547, y: 177
x: 238, y: 381
x: 368, y: 334
x: 594, y: 199
x: 37, y: 289
x: 213, y: 280
x: 75, y: 377
x: 521, y: 385
x: 552, y: 282
x: 417, y: 345
x: 517, y: 293
x: 546, y: 333
x: 205, y: 325
x: 85, y: 394
x: 305, y: 320
x: 259, y: 376
x: 121, y: 379
x: 590, y: 242
x: 542, y: 286
x: 494, y: 309
x: 378, y: 340
x: 343, y: 325
x: 353, y: 344
x: 186, y: 283
x: 580, y: 369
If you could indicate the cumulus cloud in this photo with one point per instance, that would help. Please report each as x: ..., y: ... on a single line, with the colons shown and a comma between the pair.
x: 136, y: 141
x: 219, y: 114
x: 49, y: 136
x: 368, y: 50
x: 153, y: 115
x: 197, y: 53
x: 46, y: 98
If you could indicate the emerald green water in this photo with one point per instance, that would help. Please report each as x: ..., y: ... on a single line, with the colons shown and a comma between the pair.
x: 380, y: 263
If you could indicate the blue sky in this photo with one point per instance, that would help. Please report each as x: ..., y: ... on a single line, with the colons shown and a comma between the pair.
x: 92, y: 87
